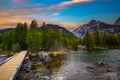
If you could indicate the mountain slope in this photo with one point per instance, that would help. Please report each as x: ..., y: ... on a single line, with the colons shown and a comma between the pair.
x: 117, y: 22
x: 93, y: 24
x: 62, y: 29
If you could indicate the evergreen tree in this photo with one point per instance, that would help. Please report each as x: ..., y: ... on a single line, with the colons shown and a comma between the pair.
x: 16, y: 47
x: 6, y: 41
x: 96, y: 38
x: 87, y: 40
x: 33, y: 24
x: 34, y: 37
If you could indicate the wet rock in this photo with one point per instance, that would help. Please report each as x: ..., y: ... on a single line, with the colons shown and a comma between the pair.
x: 90, y: 67
x: 107, y: 76
x: 99, y: 64
x: 108, y: 70
x: 100, y: 78
x: 118, y: 68
x: 37, y: 63
x: 112, y: 76
x: 44, y: 57
x: 33, y: 54
x: 47, y: 71
x: 102, y: 64
x: 43, y: 78
x: 25, y: 70
x: 19, y: 77
x: 30, y: 77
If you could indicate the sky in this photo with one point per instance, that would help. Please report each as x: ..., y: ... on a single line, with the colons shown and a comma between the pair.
x: 67, y: 13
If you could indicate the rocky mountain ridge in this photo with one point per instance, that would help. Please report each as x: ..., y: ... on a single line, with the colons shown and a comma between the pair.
x: 94, y: 24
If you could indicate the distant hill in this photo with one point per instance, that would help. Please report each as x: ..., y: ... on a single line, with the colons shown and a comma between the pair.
x: 62, y: 29
x: 93, y: 24
x: 5, y: 30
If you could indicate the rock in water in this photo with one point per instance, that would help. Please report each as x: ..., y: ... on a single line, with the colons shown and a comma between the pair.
x: 44, y: 56
x: 108, y: 76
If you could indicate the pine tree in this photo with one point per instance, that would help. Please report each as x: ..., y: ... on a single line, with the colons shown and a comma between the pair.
x: 96, y: 38
x: 87, y: 40
x: 34, y: 37
x: 33, y: 24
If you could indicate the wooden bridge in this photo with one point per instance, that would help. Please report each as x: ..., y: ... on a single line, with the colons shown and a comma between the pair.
x: 9, y: 69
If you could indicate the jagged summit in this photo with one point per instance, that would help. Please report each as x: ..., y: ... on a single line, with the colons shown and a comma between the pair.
x: 93, y: 24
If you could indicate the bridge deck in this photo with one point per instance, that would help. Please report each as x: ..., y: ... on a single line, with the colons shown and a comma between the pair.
x: 8, y: 69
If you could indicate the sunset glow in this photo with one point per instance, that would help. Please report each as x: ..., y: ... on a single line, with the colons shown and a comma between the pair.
x: 69, y: 13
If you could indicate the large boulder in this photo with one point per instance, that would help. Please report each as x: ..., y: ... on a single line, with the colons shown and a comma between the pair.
x: 44, y: 56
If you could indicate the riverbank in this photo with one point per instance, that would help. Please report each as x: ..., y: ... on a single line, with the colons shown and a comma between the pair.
x: 56, y: 52
x: 77, y: 65
x: 101, y: 48
x: 36, y: 68
x: 7, y: 53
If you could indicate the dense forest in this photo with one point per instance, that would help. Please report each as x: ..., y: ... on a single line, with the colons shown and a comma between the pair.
x: 35, y: 38
x: 100, y: 39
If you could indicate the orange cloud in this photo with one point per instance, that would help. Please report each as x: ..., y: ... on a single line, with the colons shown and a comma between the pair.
x: 9, y: 17
x: 19, y: 1
x: 11, y: 22
x: 70, y: 25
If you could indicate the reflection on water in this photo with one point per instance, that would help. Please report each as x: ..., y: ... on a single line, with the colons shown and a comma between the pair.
x: 107, y: 56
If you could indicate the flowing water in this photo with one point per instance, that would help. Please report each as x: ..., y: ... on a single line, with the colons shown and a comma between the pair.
x: 2, y: 58
x: 73, y: 65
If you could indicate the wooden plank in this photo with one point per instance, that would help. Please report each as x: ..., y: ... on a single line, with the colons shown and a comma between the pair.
x: 9, y: 69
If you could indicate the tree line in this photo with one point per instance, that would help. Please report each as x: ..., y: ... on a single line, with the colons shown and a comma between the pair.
x: 100, y: 39
x: 33, y: 38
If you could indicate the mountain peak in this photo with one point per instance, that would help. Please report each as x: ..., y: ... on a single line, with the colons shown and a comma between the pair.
x: 117, y: 22
x: 93, y: 22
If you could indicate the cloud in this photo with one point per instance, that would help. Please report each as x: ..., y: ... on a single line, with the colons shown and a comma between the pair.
x: 70, y: 25
x: 9, y: 17
x: 67, y: 3
x: 21, y: 11
x: 55, y: 14
x: 20, y: 1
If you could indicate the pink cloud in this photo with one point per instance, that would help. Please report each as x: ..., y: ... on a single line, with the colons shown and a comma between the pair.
x: 9, y: 17
x: 20, y: 1
x: 73, y: 2
x: 67, y: 3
